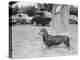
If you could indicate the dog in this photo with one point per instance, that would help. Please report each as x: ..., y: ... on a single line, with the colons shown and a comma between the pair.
x: 50, y: 40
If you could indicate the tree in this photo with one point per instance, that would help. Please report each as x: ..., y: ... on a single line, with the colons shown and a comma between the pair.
x: 30, y: 10
x: 60, y: 18
x: 12, y: 11
x: 73, y: 10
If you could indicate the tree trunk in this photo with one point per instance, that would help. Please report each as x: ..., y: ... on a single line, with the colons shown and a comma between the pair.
x: 60, y: 19
x: 65, y: 17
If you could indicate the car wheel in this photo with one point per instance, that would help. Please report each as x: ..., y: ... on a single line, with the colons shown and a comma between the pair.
x: 13, y: 23
x: 21, y: 22
x: 24, y: 22
x: 75, y: 22
x: 43, y: 24
x: 34, y: 23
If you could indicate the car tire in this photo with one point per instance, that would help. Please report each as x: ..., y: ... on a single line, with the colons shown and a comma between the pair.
x: 21, y: 22
x: 75, y: 22
x: 43, y: 24
x: 13, y: 23
x: 35, y: 23
x: 24, y: 22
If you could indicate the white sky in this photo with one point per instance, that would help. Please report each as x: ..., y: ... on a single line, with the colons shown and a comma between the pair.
x: 21, y: 3
x: 24, y: 4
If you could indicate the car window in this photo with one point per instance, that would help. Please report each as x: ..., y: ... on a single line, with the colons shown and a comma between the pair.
x: 40, y: 14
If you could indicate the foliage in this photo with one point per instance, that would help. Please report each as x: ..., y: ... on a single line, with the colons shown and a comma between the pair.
x: 12, y: 11
x: 29, y: 10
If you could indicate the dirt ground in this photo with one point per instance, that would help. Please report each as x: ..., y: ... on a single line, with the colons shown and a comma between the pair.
x: 27, y: 43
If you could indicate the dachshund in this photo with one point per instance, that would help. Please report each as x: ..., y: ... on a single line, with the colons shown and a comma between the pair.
x: 50, y: 40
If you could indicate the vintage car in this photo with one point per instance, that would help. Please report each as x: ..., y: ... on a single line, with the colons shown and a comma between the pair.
x: 21, y: 18
x: 73, y: 19
x: 41, y: 17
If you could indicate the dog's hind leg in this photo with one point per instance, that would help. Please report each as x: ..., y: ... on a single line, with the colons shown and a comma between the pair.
x: 67, y: 44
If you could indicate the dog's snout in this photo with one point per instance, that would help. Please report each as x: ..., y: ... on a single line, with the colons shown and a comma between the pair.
x: 40, y: 33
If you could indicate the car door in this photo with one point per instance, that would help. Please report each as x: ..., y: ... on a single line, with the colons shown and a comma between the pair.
x: 19, y: 18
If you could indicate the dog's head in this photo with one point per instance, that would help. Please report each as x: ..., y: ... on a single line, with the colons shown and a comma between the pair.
x: 43, y: 31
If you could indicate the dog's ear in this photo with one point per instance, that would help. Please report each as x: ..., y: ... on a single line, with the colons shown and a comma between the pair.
x: 43, y: 30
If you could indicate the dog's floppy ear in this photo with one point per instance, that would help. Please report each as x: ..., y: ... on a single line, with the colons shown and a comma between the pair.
x: 41, y: 33
x: 43, y: 30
